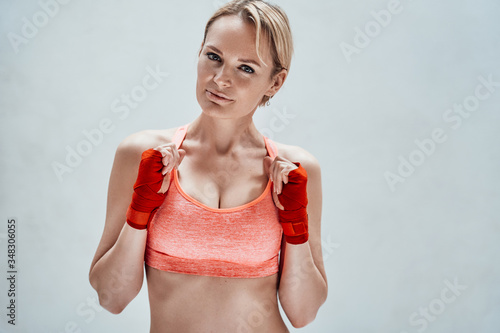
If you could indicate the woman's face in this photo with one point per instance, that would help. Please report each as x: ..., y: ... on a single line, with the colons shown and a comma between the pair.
x: 228, y: 66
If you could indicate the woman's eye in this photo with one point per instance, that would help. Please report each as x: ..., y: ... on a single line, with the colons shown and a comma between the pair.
x: 213, y: 56
x: 247, y: 69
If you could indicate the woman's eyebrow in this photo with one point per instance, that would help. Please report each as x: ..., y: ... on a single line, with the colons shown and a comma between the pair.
x: 250, y: 61
x: 242, y: 60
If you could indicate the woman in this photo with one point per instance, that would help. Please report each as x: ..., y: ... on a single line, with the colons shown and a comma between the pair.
x: 209, y: 219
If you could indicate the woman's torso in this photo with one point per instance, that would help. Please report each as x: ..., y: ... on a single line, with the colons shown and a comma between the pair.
x: 197, y: 303
x: 193, y: 303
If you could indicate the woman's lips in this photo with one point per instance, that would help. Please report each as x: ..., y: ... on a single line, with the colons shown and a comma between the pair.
x: 218, y: 97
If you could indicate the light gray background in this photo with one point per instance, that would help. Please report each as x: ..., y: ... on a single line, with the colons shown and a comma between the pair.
x: 388, y: 254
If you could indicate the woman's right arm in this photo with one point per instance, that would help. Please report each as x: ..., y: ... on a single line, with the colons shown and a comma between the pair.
x: 117, y: 270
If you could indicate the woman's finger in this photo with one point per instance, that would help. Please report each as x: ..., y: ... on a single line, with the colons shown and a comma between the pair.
x: 176, y: 154
x: 276, y: 176
x: 277, y: 201
x: 182, y: 153
x: 172, y: 156
x: 164, y: 146
x: 285, y: 167
x: 277, y: 180
x: 165, y: 185
x: 281, y: 169
x: 290, y: 167
x: 282, y: 176
x: 167, y: 161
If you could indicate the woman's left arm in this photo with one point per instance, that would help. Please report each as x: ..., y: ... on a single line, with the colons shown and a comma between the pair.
x: 303, y: 286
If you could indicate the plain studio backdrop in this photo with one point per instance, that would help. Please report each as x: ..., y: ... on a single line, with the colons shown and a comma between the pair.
x: 398, y: 100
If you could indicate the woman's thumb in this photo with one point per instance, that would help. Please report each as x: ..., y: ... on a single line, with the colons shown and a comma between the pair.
x: 267, y: 164
x: 182, y: 153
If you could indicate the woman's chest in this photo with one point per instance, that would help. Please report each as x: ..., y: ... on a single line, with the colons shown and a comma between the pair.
x: 222, y: 184
x: 184, y: 227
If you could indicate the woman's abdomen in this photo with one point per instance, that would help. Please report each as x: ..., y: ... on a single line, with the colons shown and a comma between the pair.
x: 193, y: 303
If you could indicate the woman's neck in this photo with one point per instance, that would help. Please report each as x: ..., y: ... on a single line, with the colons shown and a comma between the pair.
x: 223, y: 136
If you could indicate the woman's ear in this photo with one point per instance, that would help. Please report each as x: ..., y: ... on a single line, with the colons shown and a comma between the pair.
x: 277, y: 82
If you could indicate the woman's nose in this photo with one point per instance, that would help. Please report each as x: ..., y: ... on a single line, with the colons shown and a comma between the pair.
x: 222, y: 77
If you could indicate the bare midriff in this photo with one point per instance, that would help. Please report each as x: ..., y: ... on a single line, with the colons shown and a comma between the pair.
x: 194, y: 303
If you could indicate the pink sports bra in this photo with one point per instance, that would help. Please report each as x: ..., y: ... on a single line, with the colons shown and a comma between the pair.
x: 187, y: 236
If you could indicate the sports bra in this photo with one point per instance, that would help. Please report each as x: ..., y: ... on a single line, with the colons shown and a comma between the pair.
x: 187, y: 236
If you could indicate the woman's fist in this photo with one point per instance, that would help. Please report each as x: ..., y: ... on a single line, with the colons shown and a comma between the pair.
x: 277, y: 171
x: 152, y: 184
x: 171, y: 158
x: 290, y: 197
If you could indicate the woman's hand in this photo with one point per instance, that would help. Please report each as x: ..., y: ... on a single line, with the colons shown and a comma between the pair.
x: 151, y: 185
x: 290, y: 198
x: 171, y: 158
x: 277, y: 172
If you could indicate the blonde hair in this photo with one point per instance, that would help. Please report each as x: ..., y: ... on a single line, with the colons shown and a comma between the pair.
x: 269, y: 20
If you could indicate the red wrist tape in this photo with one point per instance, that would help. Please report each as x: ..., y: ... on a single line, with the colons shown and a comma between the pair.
x: 293, y: 197
x: 146, y: 199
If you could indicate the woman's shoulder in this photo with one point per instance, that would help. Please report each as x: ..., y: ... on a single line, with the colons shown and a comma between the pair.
x: 136, y: 143
x: 297, y: 154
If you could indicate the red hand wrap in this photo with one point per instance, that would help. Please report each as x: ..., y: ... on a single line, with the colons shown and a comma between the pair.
x: 293, y: 197
x: 146, y: 199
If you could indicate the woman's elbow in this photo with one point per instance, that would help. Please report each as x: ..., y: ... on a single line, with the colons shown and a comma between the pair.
x: 112, y: 306
x: 114, y: 302
x: 301, y: 315
x: 302, y: 320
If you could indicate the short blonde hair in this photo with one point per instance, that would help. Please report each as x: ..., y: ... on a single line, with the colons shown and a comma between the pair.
x: 269, y: 20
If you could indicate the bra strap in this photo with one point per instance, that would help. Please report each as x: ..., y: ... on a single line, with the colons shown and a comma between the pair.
x: 180, y: 134
x: 271, y: 147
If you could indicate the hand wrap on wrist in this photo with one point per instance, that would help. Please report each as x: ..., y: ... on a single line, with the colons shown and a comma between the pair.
x: 293, y: 197
x: 146, y: 199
